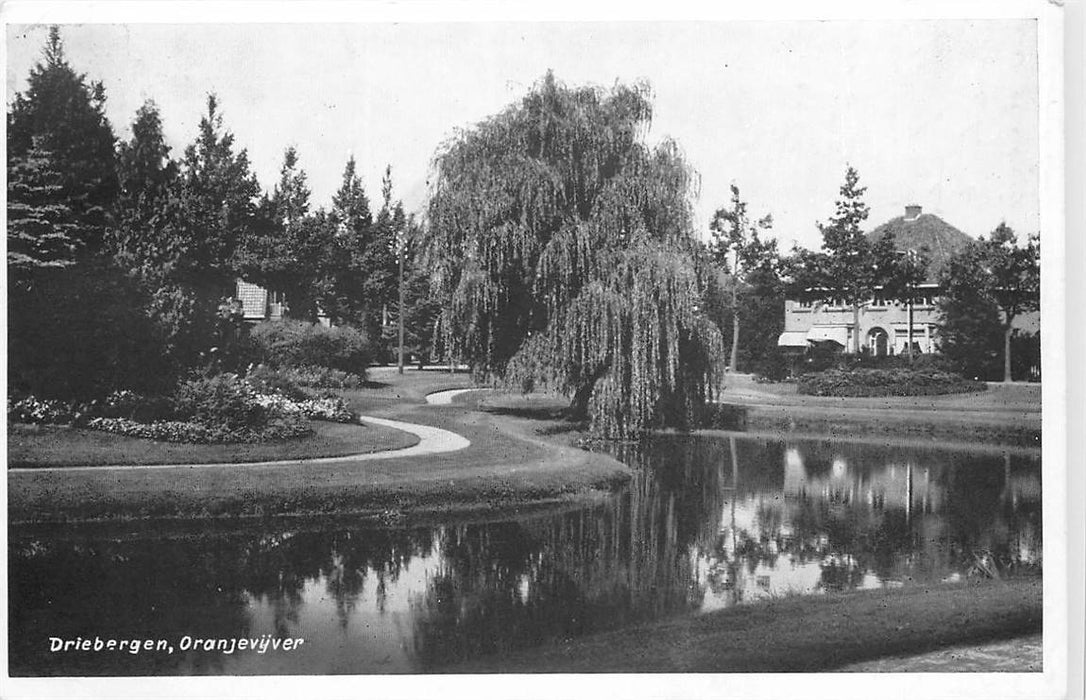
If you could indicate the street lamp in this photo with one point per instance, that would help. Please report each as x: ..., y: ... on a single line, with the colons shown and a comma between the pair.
x: 402, y: 245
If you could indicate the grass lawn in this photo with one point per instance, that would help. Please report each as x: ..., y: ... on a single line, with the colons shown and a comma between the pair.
x: 56, y: 446
x: 797, y: 634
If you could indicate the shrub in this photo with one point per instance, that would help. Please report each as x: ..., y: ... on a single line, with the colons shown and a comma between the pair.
x: 268, y: 380
x: 134, y: 406
x: 30, y: 409
x: 885, y: 382
x: 719, y: 416
x: 288, y: 380
x: 79, y: 332
x: 288, y: 343
x: 223, y: 400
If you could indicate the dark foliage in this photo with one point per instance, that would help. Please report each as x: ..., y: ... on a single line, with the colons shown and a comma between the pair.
x: 288, y: 343
x: 885, y: 382
x: 64, y: 340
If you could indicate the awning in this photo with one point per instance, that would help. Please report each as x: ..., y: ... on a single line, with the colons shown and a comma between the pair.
x: 792, y: 339
x: 838, y: 334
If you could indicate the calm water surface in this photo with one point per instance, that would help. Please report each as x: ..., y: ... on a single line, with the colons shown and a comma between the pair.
x: 708, y: 523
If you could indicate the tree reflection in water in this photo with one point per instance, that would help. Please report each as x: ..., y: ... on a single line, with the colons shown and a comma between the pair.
x: 707, y: 522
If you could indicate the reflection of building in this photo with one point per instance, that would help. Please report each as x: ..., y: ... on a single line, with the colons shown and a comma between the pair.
x: 884, y: 323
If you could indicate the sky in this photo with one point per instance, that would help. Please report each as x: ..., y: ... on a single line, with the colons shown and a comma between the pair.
x: 941, y: 113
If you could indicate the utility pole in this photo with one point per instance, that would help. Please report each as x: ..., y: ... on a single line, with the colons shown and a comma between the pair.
x: 402, y: 246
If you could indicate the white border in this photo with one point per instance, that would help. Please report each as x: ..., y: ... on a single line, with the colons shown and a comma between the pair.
x: 1053, y: 683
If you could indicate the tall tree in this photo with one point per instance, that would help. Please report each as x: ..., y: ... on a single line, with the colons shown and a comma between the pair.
x: 969, y: 321
x: 42, y: 230
x: 61, y: 118
x: 850, y: 270
x: 1016, y: 280
x: 996, y: 274
x: 380, y: 261
x: 291, y: 249
x: 737, y: 245
x: 901, y: 274
x: 146, y: 237
x: 565, y: 248
x: 353, y: 223
x: 218, y: 196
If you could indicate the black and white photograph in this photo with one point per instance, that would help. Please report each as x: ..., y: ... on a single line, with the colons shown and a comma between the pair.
x: 416, y: 350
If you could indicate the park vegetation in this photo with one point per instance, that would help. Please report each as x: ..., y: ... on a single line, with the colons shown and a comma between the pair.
x: 559, y: 253
x: 123, y: 261
x: 566, y: 249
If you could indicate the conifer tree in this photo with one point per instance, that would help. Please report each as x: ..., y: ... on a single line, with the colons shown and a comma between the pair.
x: 61, y: 118
x: 42, y: 230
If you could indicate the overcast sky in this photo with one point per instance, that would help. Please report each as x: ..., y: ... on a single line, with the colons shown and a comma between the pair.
x: 943, y: 113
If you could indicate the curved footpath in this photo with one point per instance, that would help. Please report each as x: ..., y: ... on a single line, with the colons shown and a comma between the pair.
x: 467, y: 463
x: 431, y: 441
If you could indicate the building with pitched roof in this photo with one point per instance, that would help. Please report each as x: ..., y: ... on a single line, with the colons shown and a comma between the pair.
x: 884, y: 323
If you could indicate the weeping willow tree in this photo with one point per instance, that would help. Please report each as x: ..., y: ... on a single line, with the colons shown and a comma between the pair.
x: 564, y: 246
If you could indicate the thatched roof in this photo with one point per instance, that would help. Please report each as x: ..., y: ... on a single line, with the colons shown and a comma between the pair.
x: 925, y: 231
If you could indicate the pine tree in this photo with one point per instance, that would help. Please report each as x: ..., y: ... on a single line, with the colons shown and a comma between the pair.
x: 42, y: 230
x: 61, y: 117
x: 291, y: 250
x: 147, y: 238
x: 218, y: 198
x: 353, y: 223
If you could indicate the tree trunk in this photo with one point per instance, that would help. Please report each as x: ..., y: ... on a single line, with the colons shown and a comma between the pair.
x: 1007, y: 352
x: 856, y: 329
x: 735, y: 325
x: 578, y: 407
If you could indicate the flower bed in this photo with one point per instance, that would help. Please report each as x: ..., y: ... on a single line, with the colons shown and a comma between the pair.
x: 212, y: 410
x: 308, y: 376
x: 200, y: 434
x: 329, y: 408
x: 885, y: 382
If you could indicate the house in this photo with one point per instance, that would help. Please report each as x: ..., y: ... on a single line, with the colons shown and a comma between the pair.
x: 260, y: 304
x: 884, y: 326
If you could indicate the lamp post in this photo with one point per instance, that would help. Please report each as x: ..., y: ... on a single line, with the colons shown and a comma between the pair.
x: 402, y: 245
x: 909, y: 256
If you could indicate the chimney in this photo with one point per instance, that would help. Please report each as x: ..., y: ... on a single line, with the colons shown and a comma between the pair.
x: 912, y: 212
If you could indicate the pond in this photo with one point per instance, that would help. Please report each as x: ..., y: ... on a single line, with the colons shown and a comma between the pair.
x: 708, y: 522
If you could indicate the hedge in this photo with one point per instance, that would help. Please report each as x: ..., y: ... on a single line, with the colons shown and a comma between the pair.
x: 885, y: 382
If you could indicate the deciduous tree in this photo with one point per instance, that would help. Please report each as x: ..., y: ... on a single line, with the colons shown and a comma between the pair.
x: 995, y: 278
x: 564, y: 245
x: 737, y: 244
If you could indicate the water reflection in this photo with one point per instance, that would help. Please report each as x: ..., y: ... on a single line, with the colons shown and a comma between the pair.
x: 707, y: 523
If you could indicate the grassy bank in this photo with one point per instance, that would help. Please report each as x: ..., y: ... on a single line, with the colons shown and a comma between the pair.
x: 797, y: 634
x: 1003, y: 415
x: 508, y: 467
x: 32, y: 446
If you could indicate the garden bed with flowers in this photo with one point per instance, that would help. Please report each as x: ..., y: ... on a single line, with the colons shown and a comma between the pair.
x: 225, y: 408
x: 264, y: 408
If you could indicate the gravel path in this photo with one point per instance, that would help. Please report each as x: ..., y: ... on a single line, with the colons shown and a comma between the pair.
x: 431, y: 441
x: 444, y: 398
